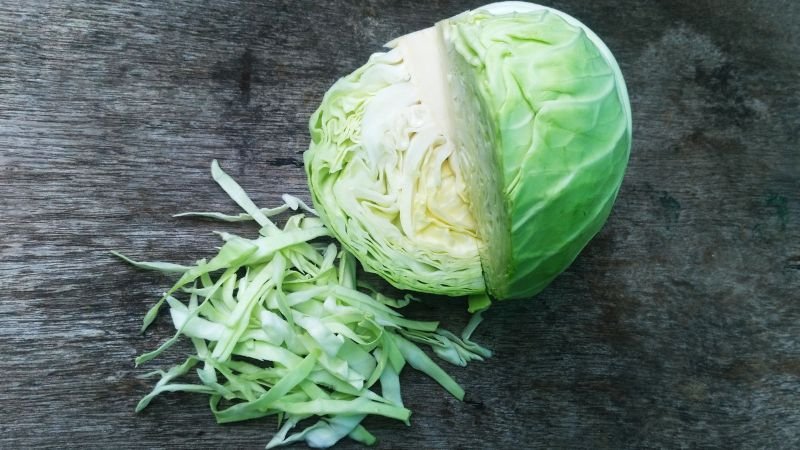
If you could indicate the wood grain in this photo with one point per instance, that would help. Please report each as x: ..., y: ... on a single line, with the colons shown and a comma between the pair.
x: 679, y: 325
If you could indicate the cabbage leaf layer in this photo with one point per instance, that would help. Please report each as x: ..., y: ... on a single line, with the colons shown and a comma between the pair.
x: 549, y: 126
x: 384, y: 179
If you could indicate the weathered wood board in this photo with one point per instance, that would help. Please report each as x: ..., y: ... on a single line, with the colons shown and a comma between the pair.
x: 679, y: 325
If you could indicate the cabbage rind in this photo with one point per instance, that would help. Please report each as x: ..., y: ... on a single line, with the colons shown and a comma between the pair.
x: 553, y: 133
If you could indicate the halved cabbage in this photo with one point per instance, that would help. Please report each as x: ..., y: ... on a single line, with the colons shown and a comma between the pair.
x: 481, y: 154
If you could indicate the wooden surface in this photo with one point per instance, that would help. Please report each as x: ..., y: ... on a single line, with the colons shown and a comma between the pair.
x: 679, y: 325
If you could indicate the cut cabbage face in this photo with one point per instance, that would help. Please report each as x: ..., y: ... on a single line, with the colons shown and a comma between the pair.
x: 389, y: 186
x: 481, y: 154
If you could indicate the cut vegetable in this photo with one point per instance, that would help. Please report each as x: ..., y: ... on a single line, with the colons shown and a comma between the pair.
x: 481, y: 154
x: 280, y: 328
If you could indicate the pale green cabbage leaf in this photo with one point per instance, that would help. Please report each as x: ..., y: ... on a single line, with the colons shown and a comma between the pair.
x: 280, y: 327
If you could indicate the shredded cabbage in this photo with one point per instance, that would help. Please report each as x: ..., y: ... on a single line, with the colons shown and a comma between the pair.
x: 280, y: 327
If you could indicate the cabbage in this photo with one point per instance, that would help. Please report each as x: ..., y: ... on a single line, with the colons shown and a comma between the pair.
x: 476, y: 156
x: 481, y: 154
x: 281, y: 326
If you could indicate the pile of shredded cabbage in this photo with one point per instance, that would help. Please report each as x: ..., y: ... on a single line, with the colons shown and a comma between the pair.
x: 281, y: 326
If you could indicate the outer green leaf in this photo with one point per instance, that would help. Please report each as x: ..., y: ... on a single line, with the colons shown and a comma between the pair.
x: 552, y: 138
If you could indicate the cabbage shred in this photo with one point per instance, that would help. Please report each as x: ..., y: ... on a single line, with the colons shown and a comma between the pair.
x: 281, y: 326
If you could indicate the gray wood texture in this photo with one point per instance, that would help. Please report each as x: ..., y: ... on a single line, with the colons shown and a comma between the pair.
x: 678, y: 326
